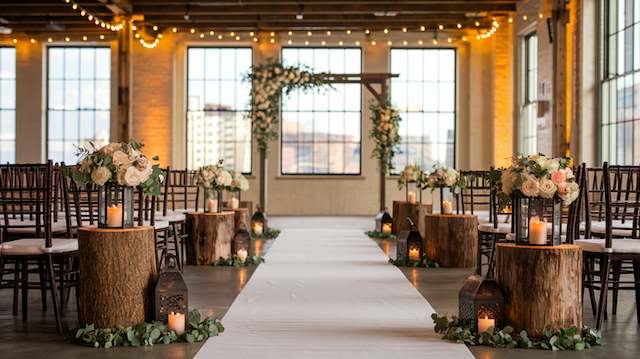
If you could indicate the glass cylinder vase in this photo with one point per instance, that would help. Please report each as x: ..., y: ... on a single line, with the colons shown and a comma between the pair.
x: 537, y: 220
x: 115, y: 206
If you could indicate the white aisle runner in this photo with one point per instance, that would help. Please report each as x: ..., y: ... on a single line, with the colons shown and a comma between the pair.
x: 329, y: 293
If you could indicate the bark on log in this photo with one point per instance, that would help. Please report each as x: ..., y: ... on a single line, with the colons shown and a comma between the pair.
x: 451, y: 239
x: 402, y: 210
x: 542, y: 284
x: 210, y: 237
x: 242, y: 219
x: 117, y: 275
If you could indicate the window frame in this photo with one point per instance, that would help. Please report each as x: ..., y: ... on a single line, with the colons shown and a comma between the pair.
x: 46, y: 85
x: 455, y: 102
x: 281, y: 137
x: 15, y: 96
x: 186, y: 101
x: 524, y: 93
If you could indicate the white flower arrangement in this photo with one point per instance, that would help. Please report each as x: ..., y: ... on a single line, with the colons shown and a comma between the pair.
x: 268, y: 81
x: 121, y: 163
x: 443, y: 176
x: 386, y: 120
x: 540, y: 176
x: 238, y: 182
x: 411, y: 174
x: 214, y: 177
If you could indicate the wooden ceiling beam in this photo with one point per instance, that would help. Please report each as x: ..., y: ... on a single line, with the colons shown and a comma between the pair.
x: 118, y: 7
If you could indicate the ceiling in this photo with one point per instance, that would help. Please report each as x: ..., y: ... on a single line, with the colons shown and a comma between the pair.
x: 59, y: 16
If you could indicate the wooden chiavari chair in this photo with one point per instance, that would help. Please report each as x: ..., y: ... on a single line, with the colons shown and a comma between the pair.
x: 27, y: 192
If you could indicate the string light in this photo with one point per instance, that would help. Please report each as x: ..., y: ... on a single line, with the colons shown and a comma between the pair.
x: 357, y: 43
x: 290, y: 33
x: 232, y: 34
x: 441, y: 27
x: 420, y: 42
x: 193, y: 31
x: 15, y: 41
x: 435, y: 41
x: 328, y: 33
x: 367, y: 31
x: 84, y: 38
x: 404, y: 29
x: 272, y: 40
x: 389, y: 43
x: 49, y: 40
x: 477, y: 23
x: 386, y: 31
x: 524, y: 17
x: 101, y: 37
x: 323, y: 43
x: 219, y: 37
x: 255, y: 39
x: 84, y: 12
x: 373, y: 43
x: 540, y: 15
x: 348, y: 32
x: 272, y: 34
x: 405, y: 42
x: 449, y: 40
x: 289, y: 42
x: 459, y: 26
x: 510, y: 20
x: 67, y: 39
x: 201, y: 35
x: 155, y: 28
x: 306, y: 42
x: 309, y: 33
x: 32, y: 40
x: 423, y: 28
x: 251, y: 33
x: 237, y: 38
x: 340, y: 43
x: 175, y: 29
x: 213, y: 33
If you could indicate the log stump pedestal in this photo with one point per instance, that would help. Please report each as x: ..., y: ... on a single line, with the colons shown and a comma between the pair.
x: 117, y: 276
x: 210, y: 236
x: 542, y: 285
x: 451, y: 239
x: 403, y: 209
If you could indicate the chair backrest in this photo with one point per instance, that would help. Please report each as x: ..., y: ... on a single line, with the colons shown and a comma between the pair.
x: 621, y: 200
x: 476, y: 194
x: 181, y: 191
x: 575, y: 209
x: 81, y: 203
x: 26, y: 192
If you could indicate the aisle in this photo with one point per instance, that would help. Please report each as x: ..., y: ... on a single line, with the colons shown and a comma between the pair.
x: 327, y: 292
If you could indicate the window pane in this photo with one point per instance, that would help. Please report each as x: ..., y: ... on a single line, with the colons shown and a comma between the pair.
x: 217, y: 127
x: 78, y: 99
x: 7, y: 104
x: 527, y: 131
x: 425, y: 94
x: 321, y: 129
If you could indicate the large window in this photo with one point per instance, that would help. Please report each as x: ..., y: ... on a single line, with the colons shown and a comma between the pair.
x: 321, y: 129
x: 78, y: 99
x: 217, y: 125
x: 7, y: 104
x: 425, y: 94
x: 620, y: 125
x: 527, y: 143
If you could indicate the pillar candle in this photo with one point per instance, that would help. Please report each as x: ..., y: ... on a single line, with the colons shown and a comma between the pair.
x: 114, y: 216
x: 485, y: 323
x: 242, y: 255
x: 212, y: 205
x: 235, y: 204
x: 176, y: 323
x: 537, y: 231
x: 447, y: 207
x: 411, y: 197
x: 257, y: 229
x: 386, y: 228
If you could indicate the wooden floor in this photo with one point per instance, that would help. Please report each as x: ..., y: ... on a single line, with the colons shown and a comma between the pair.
x: 213, y: 290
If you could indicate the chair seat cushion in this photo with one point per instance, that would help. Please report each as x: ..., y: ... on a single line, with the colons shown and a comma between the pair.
x: 600, y: 227
x: 502, y: 228
x: 171, y: 216
x: 56, y: 227
x: 158, y: 224
x: 35, y: 246
x: 618, y: 245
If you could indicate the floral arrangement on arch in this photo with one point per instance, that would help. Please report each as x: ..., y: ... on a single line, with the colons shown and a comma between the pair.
x: 268, y: 82
x: 411, y: 174
x: 214, y: 177
x: 443, y: 176
x: 121, y: 163
x: 386, y: 120
x: 541, y: 176
x: 238, y: 182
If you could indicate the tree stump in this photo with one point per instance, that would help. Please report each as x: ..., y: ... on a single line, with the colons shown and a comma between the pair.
x: 117, y: 276
x: 242, y: 219
x: 402, y: 210
x: 451, y: 239
x: 542, y: 284
x: 210, y: 237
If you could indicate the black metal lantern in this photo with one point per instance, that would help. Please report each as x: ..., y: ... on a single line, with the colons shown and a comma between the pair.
x: 530, y: 216
x: 410, y: 245
x: 171, y: 295
x: 115, y: 206
x: 481, y: 303
x: 241, y: 242
x: 384, y: 222
x: 258, y: 222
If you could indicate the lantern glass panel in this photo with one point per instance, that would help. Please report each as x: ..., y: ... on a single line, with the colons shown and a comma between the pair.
x: 171, y: 294
x: 241, y: 241
x: 547, y: 210
x: 258, y: 223
x: 115, y: 206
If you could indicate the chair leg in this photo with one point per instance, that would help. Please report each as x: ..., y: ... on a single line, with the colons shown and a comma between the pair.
x: 61, y: 270
x: 176, y: 245
x: 479, y: 255
x: 43, y: 285
x: 588, y: 269
x: 491, y: 264
x: 605, y: 267
x: 16, y: 283
x: 617, y: 268
x: 636, y: 279
x: 24, y: 280
x: 54, y: 292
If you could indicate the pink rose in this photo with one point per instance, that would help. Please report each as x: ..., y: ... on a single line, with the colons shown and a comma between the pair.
x: 558, y: 177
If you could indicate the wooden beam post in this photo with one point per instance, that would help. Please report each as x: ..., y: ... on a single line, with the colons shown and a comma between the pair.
x: 559, y: 19
x: 263, y: 181
x: 124, y: 82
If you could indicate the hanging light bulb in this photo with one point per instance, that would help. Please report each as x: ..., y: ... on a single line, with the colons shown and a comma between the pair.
x: 272, y: 40
x: 348, y: 32
x: 459, y: 26
x: 389, y: 43
x: 49, y: 40
x: 323, y: 43
x: 255, y: 39
x: 84, y: 38
x: 423, y: 28
x: 290, y: 33
x: 420, y: 42
x: 405, y: 43
x: 449, y: 40
x: 357, y: 43
x: 32, y: 40
x: 441, y: 27
x: 272, y: 34
x: 540, y: 15
x: 82, y: 13
x: 193, y: 31
x: 477, y: 23
x: 367, y: 31
x: 232, y: 34
x: 386, y: 31
x: 306, y: 42
x: 201, y: 35
x: 328, y: 33
x: 74, y: 6
x: 211, y: 33
x: 404, y: 29
x: 524, y: 17
x: 155, y: 28
x: 251, y: 33
x: 309, y: 33
x: 90, y: 17
x: 340, y: 43
x: 67, y: 39
x: 373, y: 43
x: 101, y: 37
x: 175, y: 29
x: 219, y: 37
x: 237, y: 38
x: 289, y: 42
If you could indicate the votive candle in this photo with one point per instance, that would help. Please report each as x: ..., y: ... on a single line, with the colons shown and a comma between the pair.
x: 114, y: 216
x: 176, y: 323
x: 485, y: 323
x: 537, y: 231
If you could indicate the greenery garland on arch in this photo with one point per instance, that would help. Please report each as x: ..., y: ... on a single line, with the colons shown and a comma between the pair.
x: 384, y: 132
x: 269, y: 82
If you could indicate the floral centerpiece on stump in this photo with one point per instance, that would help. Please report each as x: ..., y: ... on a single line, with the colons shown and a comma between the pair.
x: 539, y: 185
x: 441, y: 177
x: 117, y: 168
x: 213, y: 178
x: 411, y: 174
x: 239, y: 184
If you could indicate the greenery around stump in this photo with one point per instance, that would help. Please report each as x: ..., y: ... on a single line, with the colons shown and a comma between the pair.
x: 234, y: 261
x: 268, y: 233
x: 423, y: 263
x: 148, y: 334
x: 559, y: 339
x: 380, y: 235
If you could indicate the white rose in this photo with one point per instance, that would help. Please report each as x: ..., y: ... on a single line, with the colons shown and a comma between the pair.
x: 573, y: 191
x: 224, y: 178
x: 547, y: 188
x: 530, y: 187
x: 100, y: 175
x: 120, y: 158
x: 133, y: 177
x: 551, y: 165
